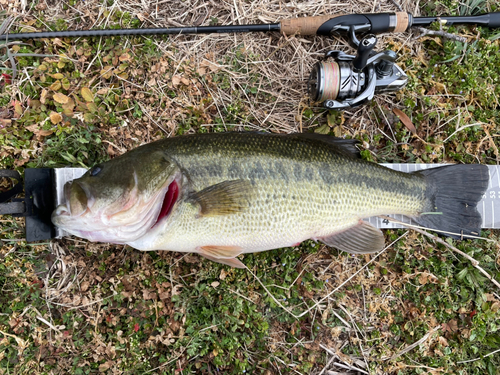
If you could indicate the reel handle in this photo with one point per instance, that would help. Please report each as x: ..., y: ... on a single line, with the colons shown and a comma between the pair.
x: 365, y: 48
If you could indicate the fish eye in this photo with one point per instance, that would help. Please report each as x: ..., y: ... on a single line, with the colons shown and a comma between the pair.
x: 95, y: 170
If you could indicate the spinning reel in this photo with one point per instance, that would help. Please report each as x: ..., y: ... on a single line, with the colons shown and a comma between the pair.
x: 345, y: 81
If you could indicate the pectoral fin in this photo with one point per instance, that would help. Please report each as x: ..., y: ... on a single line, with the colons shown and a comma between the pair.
x: 224, y: 198
x: 361, y: 239
x: 222, y: 254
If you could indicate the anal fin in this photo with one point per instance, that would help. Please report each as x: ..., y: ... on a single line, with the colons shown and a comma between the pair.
x: 222, y: 254
x: 363, y: 238
x: 232, y: 262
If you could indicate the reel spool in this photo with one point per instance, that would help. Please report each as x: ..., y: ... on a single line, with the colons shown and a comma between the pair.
x: 345, y: 81
x: 332, y: 80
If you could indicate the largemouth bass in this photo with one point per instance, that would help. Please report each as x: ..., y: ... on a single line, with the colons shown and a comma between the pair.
x: 224, y: 194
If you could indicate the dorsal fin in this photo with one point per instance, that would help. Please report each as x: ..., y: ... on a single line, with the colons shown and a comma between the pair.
x: 346, y: 146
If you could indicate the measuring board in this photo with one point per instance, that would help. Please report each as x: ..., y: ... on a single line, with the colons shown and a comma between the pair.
x: 488, y: 207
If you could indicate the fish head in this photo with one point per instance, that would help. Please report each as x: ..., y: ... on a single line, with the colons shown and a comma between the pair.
x: 120, y: 200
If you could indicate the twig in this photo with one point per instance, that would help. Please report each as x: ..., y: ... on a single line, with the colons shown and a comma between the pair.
x: 474, y: 262
x: 400, y: 8
x: 327, y: 365
x: 442, y: 33
x: 415, y: 344
x: 462, y: 128
x: 8, y: 252
x: 48, y: 323
x: 348, y: 367
x: 477, y: 359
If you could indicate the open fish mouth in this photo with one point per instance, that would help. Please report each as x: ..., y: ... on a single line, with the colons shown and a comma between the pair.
x: 133, y: 219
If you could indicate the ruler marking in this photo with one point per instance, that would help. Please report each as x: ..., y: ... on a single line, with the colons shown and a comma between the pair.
x: 484, y: 216
x: 492, y: 213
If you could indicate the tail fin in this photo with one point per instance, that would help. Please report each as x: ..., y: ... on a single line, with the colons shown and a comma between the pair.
x: 452, y: 196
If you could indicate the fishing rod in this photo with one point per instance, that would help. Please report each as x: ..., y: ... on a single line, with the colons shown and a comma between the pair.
x: 341, y: 81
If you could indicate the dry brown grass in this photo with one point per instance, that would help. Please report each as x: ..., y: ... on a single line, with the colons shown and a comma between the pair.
x: 279, y: 64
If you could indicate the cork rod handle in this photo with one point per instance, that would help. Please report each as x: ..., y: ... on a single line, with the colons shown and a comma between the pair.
x: 304, y: 25
x: 380, y: 22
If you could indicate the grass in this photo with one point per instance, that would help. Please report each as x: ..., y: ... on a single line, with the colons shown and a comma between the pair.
x: 70, y: 306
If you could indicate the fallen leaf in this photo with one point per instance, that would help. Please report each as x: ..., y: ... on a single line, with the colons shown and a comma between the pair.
x: 60, y: 98
x: 44, y: 133
x: 443, y: 341
x: 422, y: 278
x: 43, y: 97
x: 405, y: 120
x: 190, y: 258
x: 18, y: 108
x: 176, y: 80
x: 107, y: 71
x: 495, y: 307
x: 33, y: 103
x: 123, y: 75
x: 164, y: 295
x: 87, y: 94
x: 65, y: 83
x: 451, y: 326
x: 215, y: 284
x: 323, y: 129
x: 7, y: 78
x: 20, y: 163
x: 55, y: 86
x: 85, y: 286
x: 92, y: 107
x: 88, y: 117
x: 105, y: 366
x: 210, y: 65
x: 55, y: 117
x: 124, y: 57
x: 57, y: 76
x: 58, y: 42
x: 490, y: 297
x: 223, y: 274
x: 33, y: 128
x: 176, y: 290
